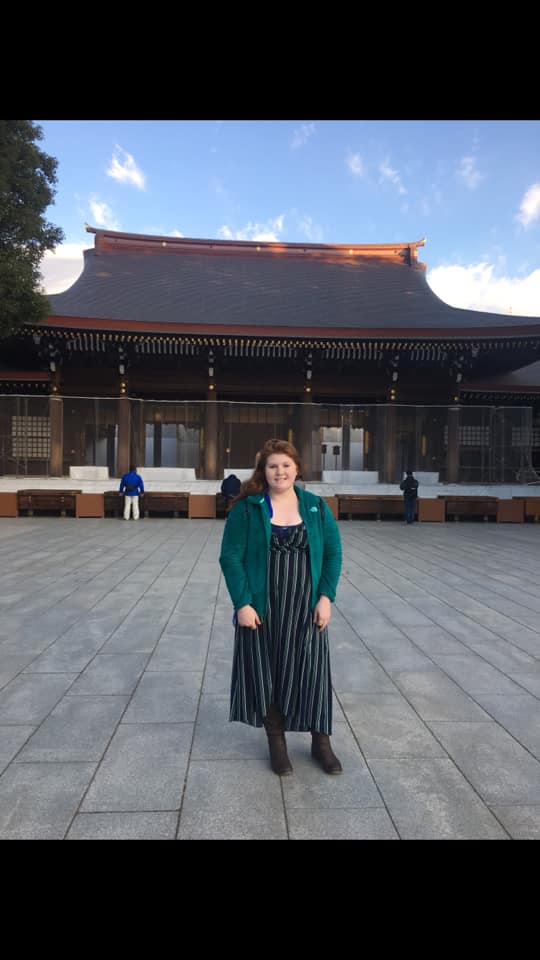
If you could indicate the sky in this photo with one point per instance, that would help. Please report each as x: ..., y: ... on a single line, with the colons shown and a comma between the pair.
x: 470, y: 187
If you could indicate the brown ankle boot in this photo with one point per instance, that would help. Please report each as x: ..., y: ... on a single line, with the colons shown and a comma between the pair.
x: 322, y: 751
x: 274, y: 724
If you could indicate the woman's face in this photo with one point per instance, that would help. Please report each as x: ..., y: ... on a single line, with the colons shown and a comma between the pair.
x: 281, y: 472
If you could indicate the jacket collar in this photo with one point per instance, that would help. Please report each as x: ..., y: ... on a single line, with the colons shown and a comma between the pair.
x: 259, y: 497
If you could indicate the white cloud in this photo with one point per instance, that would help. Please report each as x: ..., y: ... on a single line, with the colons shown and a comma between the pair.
x: 475, y: 287
x: 355, y: 164
x: 124, y: 169
x: 267, y: 232
x: 469, y: 172
x: 302, y: 135
x: 61, y: 267
x: 388, y: 173
x: 162, y: 232
x: 102, y: 214
x: 310, y: 230
x: 530, y: 206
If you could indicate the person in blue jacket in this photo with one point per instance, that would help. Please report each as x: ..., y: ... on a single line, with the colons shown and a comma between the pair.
x: 131, y: 485
x: 281, y: 559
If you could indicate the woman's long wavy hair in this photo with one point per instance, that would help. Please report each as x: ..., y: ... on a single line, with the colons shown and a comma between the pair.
x: 257, y: 481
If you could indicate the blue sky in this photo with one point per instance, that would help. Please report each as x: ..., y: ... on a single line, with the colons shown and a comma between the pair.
x: 471, y: 187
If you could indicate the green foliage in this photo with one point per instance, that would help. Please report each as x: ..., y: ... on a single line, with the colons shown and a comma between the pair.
x: 27, y: 178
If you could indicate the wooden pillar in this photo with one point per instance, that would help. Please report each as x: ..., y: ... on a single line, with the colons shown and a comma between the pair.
x: 158, y: 435
x: 111, y: 437
x: 139, y: 438
x: 306, y: 428
x: 56, y: 409
x: 346, y: 447
x: 452, y: 456
x: 210, y: 436
x: 389, y: 443
x: 124, y: 435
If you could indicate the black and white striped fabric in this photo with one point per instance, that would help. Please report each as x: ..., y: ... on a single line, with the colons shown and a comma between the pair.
x: 286, y: 660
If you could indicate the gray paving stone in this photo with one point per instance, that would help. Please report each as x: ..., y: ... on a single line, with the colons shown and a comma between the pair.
x: 28, y: 699
x: 12, y: 739
x: 114, y: 673
x: 474, y: 675
x: 521, y: 821
x: 66, y: 656
x: 499, y: 768
x: 123, y: 826
x: 436, y: 697
x: 176, y: 654
x: 165, y: 698
x: 353, y: 671
x: 519, y: 714
x: 38, y: 800
x: 430, y: 799
x: 433, y: 639
x: 216, y: 738
x: 228, y: 823
x: 357, y: 824
x: 143, y: 769
x: 386, y: 726
x: 232, y: 799
x: 79, y: 728
x: 11, y: 664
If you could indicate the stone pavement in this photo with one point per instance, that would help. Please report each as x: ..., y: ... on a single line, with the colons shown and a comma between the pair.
x: 115, y: 654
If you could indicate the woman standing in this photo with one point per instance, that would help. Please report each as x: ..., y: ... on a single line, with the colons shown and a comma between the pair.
x: 281, y: 559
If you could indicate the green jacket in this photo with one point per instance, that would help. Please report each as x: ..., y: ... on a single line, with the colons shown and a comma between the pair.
x: 245, y: 550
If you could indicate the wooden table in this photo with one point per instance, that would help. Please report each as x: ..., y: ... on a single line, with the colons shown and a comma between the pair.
x: 202, y: 506
x: 89, y: 505
x: 8, y: 505
x: 431, y: 510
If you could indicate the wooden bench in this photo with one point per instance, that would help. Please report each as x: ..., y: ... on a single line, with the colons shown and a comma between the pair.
x: 222, y: 505
x: 162, y: 503
x: 457, y: 507
x: 354, y: 505
x: 47, y: 501
x: 113, y: 503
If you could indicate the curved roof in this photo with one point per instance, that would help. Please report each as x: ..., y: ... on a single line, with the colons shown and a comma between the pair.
x: 172, y: 284
x: 525, y: 379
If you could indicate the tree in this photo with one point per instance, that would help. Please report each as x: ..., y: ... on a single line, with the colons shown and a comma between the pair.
x: 27, y: 178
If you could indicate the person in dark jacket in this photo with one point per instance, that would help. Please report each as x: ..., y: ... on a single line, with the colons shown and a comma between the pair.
x: 281, y: 559
x: 131, y: 485
x: 230, y: 488
x: 410, y: 492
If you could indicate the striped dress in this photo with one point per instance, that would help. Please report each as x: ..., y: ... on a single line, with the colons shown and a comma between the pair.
x: 286, y: 659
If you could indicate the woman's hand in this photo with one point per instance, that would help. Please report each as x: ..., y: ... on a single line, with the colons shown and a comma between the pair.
x: 248, y: 617
x: 322, y: 613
